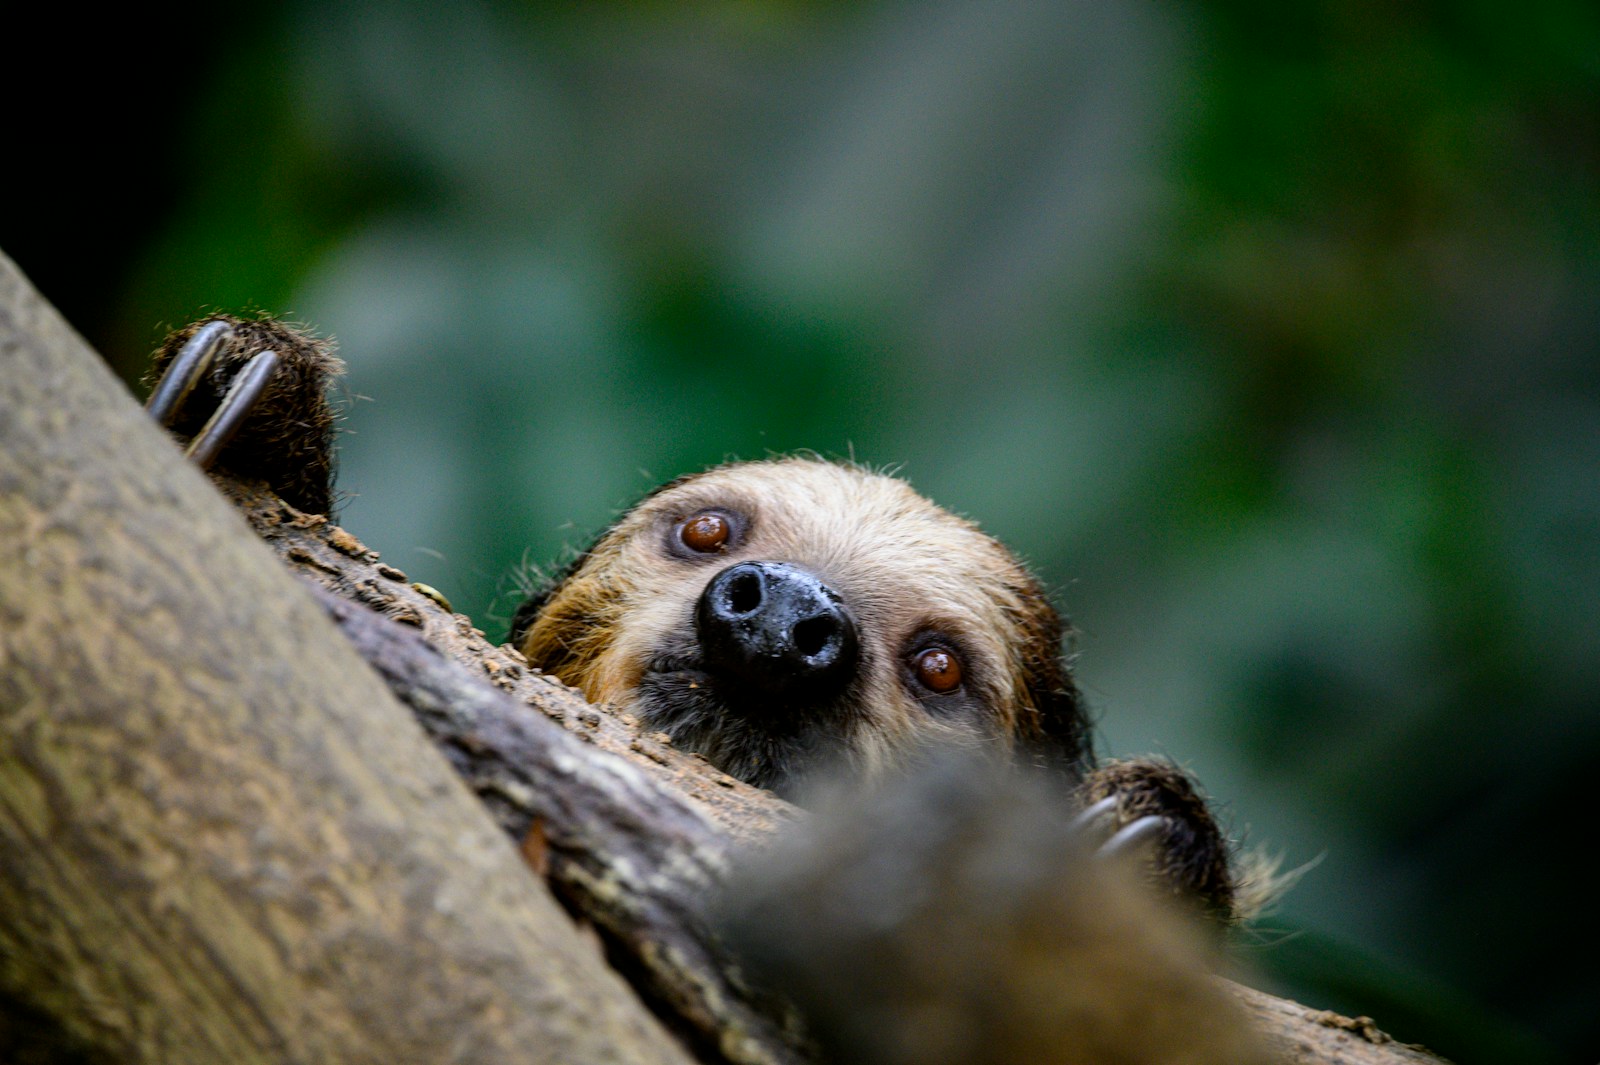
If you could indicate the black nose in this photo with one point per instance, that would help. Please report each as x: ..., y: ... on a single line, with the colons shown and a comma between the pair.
x: 776, y: 627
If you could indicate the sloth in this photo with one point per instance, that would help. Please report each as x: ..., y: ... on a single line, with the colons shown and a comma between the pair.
x: 774, y: 616
x: 781, y: 618
x: 795, y: 616
x: 786, y: 617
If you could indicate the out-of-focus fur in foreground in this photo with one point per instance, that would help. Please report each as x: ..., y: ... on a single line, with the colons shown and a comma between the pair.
x: 956, y: 916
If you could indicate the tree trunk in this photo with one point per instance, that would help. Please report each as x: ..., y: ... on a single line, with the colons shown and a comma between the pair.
x: 221, y: 838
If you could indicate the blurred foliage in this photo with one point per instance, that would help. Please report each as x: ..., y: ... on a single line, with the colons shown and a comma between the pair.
x: 1269, y: 333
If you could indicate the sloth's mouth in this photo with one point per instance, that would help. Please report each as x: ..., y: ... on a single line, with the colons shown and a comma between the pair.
x: 678, y: 689
x: 675, y: 685
x: 683, y: 668
x: 678, y: 686
x: 675, y: 677
x: 761, y: 738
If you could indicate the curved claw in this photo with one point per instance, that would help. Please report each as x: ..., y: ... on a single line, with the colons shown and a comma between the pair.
x: 1134, y: 836
x: 185, y: 371
x: 233, y: 410
x: 1094, y: 815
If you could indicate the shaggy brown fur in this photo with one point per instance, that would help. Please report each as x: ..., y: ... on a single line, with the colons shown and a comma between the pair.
x: 288, y: 439
x: 993, y: 934
x: 619, y: 626
x: 625, y: 625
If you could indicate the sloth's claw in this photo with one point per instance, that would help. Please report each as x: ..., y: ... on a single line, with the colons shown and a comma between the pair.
x: 234, y: 409
x: 1169, y: 824
x: 1134, y: 837
x: 186, y: 370
x: 1097, y: 823
x: 1095, y: 817
x: 250, y: 396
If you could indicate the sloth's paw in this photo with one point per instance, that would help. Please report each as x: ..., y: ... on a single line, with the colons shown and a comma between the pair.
x: 250, y: 396
x: 1153, y: 809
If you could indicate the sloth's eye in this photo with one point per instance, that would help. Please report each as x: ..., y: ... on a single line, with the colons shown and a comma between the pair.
x: 705, y: 532
x: 937, y: 670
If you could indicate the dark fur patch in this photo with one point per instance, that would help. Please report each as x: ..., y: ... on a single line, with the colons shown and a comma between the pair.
x: 288, y: 439
x: 1062, y: 738
x: 760, y: 741
x: 1194, y: 857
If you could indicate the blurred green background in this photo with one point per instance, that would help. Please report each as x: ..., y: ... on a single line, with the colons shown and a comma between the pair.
x: 1269, y: 333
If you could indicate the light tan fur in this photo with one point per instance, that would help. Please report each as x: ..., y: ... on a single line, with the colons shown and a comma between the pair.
x: 903, y: 564
x: 627, y: 626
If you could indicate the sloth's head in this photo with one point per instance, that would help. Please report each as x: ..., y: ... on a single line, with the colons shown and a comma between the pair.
x: 775, y: 616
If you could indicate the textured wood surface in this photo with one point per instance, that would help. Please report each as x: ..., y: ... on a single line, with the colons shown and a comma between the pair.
x: 221, y: 838
x: 330, y: 556
x: 635, y: 834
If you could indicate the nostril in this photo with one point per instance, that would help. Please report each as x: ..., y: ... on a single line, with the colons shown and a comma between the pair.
x: 742, y: 594
x: 775, y: 627
x: 812, y: 635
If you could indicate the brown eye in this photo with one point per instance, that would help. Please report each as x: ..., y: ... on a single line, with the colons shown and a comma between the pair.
x: 937, y: 670
x: 705, y: 532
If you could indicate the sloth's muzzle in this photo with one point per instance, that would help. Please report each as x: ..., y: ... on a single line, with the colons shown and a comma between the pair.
x: 778, y: 628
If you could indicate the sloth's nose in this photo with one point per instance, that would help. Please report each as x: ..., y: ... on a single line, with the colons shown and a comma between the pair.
x: 777, y: 627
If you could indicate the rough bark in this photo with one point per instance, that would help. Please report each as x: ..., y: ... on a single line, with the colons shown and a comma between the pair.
x: 1299, y: 1035
x: 221, y: 838
x: 634, y: 857
x: 635, y: 833
x: 331, y: 557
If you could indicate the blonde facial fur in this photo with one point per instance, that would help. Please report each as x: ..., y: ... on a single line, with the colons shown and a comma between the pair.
x: 620, y: 626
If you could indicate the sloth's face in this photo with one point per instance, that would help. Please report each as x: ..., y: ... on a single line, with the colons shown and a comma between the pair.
x: 776, y: 615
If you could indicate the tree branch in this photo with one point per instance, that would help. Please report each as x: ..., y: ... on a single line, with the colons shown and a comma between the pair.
x: 221, y: 838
